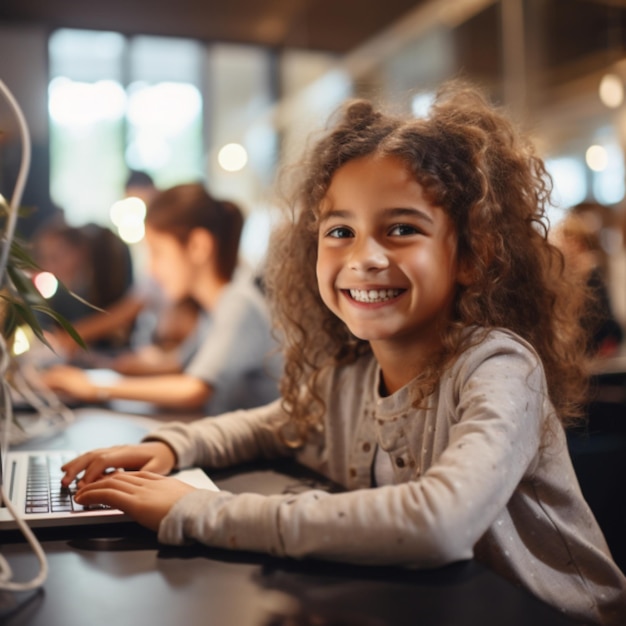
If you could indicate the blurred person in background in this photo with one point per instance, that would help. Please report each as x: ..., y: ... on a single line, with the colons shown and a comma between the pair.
x: 193, y: 242
x: 617, y: 270
x: 91, y: 262
x: 152, y: 325
x: 578, y: 237
x: 169, y: 345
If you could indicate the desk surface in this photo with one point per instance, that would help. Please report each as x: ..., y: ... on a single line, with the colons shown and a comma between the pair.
x: 116, y: 576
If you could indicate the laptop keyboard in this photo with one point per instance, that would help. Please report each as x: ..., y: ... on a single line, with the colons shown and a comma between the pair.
x: 44, y: 493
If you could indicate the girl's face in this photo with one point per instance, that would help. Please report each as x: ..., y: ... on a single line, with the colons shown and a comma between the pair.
x: 170, y: 263
x: 386, y: 256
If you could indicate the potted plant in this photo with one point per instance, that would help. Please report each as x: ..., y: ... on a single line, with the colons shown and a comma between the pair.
x: 20, y: 301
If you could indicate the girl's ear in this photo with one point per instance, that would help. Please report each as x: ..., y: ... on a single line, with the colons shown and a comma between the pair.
x: 200, y: 246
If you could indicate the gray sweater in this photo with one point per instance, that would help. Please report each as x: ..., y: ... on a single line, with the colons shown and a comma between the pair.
x: 482, y: 472
x: 237, y: 356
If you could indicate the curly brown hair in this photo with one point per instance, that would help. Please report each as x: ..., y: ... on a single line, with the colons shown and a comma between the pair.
x: 471, y: 161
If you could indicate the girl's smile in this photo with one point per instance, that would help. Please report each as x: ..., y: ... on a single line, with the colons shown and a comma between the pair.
x: 373, y: 295
x: 386, y: 256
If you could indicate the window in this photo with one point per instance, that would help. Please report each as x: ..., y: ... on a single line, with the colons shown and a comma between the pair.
x: 118, y: 103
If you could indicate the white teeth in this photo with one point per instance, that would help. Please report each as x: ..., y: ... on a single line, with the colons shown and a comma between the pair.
x: 374, y: 295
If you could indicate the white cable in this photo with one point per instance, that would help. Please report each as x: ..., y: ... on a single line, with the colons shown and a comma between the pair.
x: 26, y: 381
x: 21, y: 178
x: 6, y: 574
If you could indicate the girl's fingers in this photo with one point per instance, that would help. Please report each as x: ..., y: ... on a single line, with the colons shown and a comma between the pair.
x: 152, y: 456
x: 100, y: 464
x: 127, y: 482
x: 146, y: 475
x: 74, y: 467
x: 145, y: 496
x: 112, y: 497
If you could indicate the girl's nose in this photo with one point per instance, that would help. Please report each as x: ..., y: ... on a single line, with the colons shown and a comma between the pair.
x: 368, y: 256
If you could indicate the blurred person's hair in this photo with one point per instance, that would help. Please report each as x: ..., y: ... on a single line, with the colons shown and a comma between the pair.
x: 183, y: 208
x: 137, y: 178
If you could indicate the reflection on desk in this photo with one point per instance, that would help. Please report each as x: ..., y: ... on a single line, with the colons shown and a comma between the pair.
x: 121, y: 575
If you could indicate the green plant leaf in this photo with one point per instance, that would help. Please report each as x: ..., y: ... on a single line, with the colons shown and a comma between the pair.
x: 24, y: 289
x: 23, y: 297
x: 10, y: 318
x: 25, y: 312
x: 21, y: 258
x: 67, y: 326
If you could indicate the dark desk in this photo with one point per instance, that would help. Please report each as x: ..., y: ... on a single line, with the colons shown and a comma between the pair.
x: 118, y: 576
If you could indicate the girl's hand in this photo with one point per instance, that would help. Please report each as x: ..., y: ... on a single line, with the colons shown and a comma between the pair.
x: 152, y: 456
x: 145, y: 496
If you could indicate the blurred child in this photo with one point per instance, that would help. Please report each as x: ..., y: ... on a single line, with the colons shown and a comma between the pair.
x: 92, y: 262
x: 193, y: 243
x: 433, y: 355
x: 132, y: 313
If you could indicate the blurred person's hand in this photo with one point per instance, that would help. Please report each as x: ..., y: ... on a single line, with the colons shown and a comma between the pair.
x: 146, y: 361
x: 72, y: 382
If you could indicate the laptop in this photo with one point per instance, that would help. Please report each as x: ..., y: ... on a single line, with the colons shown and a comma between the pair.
x: 31, y: 481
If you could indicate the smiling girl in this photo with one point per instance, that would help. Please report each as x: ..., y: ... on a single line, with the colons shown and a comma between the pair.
x: 433, y: 356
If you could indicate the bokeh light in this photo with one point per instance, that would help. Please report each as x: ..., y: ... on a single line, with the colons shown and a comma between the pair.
x: 232, y: 157
x: 597, y: 158
x: 46, y: 284
x: 20, y: 342
x: 128, y: 206
x: 611, y: 91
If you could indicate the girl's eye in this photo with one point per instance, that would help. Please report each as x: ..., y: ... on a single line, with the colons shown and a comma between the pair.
x: 339, y: 232
x: 403, y: 230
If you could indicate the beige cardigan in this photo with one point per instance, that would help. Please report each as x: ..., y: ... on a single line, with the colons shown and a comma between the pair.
x: 483, y: 472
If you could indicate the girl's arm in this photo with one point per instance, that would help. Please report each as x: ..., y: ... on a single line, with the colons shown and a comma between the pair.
x: 211, y: 442
x: 425, y: 522
x: 225, y: 440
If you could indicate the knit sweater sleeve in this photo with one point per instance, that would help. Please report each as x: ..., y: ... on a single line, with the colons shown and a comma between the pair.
x: 223, y: 441
x: 426, y: 522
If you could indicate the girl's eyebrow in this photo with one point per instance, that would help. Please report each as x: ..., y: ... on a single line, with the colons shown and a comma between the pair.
x: 392, y: 212
x: 410, y: 212
x: 335, y: 213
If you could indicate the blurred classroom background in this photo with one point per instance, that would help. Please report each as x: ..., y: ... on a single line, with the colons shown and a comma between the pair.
x: 226, y: 95
x: 227, y: 92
